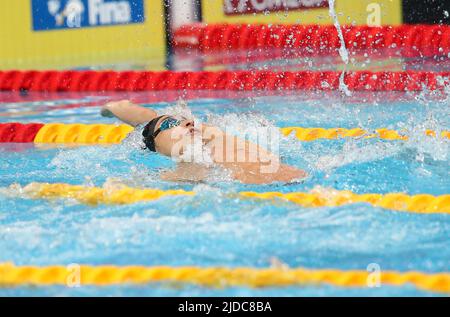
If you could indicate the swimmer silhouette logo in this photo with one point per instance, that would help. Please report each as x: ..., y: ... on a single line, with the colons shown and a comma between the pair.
x: 71, y: 14
x: 66, y: 14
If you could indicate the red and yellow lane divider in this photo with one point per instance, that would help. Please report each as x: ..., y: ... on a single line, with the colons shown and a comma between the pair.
x: 120, y: 194
x: 59, y: 133
x: 13, y: 276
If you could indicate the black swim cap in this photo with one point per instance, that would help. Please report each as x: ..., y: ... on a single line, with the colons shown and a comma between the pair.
x: 147, y: 133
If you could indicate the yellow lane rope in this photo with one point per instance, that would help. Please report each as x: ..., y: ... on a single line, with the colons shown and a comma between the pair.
x: 109, y: 133
x: 11, y: 275
x: 311, y: 134
x: 82, y: 133
x: 96, y: 195
x: 422, y: 203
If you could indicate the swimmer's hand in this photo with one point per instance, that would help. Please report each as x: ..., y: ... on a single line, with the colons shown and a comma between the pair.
x: 105, y: 112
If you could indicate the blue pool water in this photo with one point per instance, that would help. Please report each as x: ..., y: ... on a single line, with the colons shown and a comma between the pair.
x: 215, y: 228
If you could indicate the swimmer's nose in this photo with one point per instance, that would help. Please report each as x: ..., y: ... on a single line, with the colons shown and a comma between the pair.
x: 188, y: 123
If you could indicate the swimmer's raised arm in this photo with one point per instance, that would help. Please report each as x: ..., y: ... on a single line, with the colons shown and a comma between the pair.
x: 128, y: 112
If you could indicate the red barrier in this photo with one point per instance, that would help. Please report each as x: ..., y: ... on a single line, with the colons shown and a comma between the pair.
x: 18, y: 132
x: 409, y: 40
x: 77, y: 81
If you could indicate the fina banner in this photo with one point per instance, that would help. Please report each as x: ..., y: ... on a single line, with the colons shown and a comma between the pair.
x: 232, y: 7
x: 65, y: 14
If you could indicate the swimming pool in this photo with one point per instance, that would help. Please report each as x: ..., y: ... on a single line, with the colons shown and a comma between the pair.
x: 215, y: 228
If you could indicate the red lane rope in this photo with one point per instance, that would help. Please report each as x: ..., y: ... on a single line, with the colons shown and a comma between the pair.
x: 88, y: 81
x: 18, y: 132
x: 410, y: 40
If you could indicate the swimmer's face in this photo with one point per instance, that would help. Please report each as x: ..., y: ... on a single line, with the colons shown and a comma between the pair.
x: 172, y: 141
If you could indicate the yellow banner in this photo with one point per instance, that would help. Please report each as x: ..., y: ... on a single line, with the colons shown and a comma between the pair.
x: 383, y: 12
x: 42, y: 34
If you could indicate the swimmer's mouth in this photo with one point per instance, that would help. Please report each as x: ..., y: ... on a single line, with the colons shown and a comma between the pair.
x: 193, y: 131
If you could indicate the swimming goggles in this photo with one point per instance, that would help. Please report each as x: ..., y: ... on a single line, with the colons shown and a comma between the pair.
x: 166, y: 124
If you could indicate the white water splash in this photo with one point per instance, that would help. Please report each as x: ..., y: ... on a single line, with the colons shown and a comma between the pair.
x: 244, y: 125
x: 343, y: 86
x: 342, y: 49
x: 418, y: 145
x: 180, y: 108
x: 352, y: 153
x: 436, y: 147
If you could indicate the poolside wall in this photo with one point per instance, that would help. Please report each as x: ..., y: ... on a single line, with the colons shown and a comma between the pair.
x: 40, y: 34
x: 33, y: 36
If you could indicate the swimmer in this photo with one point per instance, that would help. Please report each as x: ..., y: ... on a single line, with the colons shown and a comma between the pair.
x: 173, y: 136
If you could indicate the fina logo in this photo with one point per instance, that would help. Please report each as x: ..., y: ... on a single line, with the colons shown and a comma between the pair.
x: 99, y: 12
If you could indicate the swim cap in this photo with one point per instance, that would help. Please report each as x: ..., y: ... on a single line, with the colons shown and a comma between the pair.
x: 147, y: 133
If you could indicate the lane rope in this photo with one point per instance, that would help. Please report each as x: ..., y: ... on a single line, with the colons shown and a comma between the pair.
x: 82, y: 133
x: 312, y: 134
x: 254, y: 80
x: 421, y: 203
x: 407, y: 40
x: 118, y: 194
x: 216, y: 277
x: 19, y: 133
x: 60, y: 133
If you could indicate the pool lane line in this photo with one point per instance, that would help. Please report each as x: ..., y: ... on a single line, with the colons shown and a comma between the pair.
x: 312, y: 134
x: 417, y: 40
x: 86, y: 134
x: 116, y: 194
x: 214, y: 277
x: 226, y: 80
x: 421, y: 203
x: 59, y: 133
